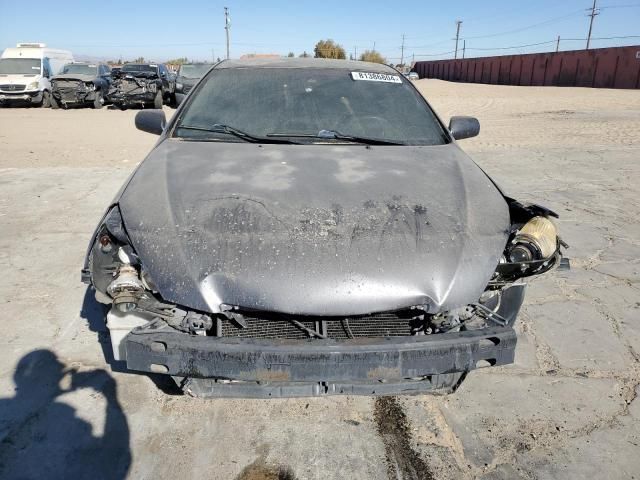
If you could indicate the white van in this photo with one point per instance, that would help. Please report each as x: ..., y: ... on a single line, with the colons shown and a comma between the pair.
x: 25, y: 72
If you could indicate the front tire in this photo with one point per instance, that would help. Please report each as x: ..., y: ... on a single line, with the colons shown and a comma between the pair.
x: 54, y: 103
x: 157, y: 102
x: 46, y: 99
x: 173, y: 101
x: 98, y: 101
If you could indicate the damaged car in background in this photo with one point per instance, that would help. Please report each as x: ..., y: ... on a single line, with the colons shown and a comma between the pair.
x: 80, y: 84
x: 143, y: 85
x: 311, y: 227
x: 188, y: 75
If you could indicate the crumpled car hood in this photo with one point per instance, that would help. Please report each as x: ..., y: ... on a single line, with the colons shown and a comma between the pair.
x: 75, y: 76
x: 314, y: 230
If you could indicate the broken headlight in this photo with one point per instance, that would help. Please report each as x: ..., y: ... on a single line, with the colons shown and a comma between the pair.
x: 534, y: 246
x: 110, y: 250
x: 536, y: 240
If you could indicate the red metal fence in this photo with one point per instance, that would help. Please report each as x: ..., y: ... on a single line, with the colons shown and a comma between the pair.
x: 617, y: 67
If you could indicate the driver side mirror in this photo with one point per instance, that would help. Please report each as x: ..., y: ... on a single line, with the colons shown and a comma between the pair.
x: 464, y: 127
x: 151, y: 121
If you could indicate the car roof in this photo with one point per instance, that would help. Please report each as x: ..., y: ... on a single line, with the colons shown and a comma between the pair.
x: 350, y: 65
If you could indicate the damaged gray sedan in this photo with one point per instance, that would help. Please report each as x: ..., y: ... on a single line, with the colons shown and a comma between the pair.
x: 310, y: 227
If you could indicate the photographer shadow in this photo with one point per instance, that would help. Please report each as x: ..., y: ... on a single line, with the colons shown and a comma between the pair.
x: 95, y: 314
x: 42, y: 437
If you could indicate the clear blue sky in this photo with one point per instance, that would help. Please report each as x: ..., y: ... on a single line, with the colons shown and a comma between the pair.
x: 162, y: 30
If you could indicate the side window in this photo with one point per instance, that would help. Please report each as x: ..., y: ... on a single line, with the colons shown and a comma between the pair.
x: 163, y: 69
x: 46, y: 68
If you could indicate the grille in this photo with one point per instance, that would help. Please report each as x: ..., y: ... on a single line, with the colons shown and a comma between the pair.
x: 262, y: 328
x: 381, y: 325
x: 378, y: 325
x: 12, y: 88
x: 69, y: 85
x: 127, y: 86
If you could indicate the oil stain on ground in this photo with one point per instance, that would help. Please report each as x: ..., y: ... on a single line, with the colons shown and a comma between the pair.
x: 260, y: 470
x: 403, y: 462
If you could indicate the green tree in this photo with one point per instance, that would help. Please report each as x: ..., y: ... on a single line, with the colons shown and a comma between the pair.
x: 372, y: 56
x: 304, y: 54
x: 329, y: 49
x: 291, y: 55
x: 139, y: 60
x: 178, y: 61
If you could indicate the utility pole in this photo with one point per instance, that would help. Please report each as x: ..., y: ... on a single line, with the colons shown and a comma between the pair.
x: 464, y: 47
x: 227, y: 26
x: 402, y: 51
x: 374, y: 46
x: 458, y: 23
x: 558, y: 44
x: 594, y: 12
x: 355, y: 53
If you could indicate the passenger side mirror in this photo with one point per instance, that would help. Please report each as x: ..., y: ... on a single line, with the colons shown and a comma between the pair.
x: 464, y: 127
x: 151, y: 121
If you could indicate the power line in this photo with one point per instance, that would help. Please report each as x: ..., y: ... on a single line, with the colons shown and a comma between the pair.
x: 629, y: 5
x: 513, y: 47
x: 546, y: 22
x: 435, y: 54
x: 602, y: 38
x: 530, y: 45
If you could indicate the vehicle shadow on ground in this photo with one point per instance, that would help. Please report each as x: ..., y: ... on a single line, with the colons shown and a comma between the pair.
x: 42, y: 437
x: 95, y: 313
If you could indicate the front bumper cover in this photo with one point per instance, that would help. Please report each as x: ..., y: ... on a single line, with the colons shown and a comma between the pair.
x: 74, y: 96
x: 132, y: 98
x: 24, y: 96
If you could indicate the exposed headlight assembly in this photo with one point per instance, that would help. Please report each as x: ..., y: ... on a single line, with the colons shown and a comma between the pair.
x: 533, y: 248
x: 103, y: 258
x: 536, y: 240
x: 115, y: 271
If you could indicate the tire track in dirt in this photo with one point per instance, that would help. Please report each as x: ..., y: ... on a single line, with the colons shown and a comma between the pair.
x: 403, y: 462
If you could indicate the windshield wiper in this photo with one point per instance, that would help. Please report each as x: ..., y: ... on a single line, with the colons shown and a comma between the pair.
x: 334, y: 135
x: 226, y: 129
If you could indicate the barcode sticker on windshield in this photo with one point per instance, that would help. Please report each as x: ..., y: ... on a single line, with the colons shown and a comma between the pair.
x: 376, y: 77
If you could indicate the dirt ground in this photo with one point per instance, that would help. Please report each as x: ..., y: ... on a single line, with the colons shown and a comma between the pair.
x: 566, y: 409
